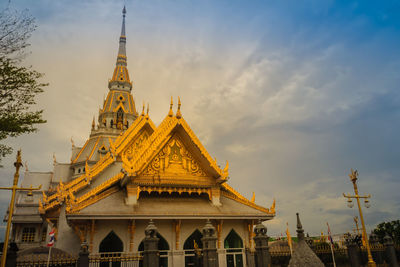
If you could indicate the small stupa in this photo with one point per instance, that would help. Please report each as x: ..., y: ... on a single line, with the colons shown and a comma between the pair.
x: 303, y: 255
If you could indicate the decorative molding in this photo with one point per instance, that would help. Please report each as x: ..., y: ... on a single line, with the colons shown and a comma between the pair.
x: 92, y: 232
x: 131, y: 229
x: 177, y: 229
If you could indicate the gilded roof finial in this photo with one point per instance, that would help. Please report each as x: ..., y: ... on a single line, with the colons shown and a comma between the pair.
x: 144, y: 106
x: 178, y: 112
x: 93, y: 124
x: 272, y: 208
x: 171, y: 113
x: 72, y: 143
x: 148, y: 109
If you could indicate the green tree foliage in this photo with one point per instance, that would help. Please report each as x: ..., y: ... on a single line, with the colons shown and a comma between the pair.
x: 19, y: 85
x: 391, y: 228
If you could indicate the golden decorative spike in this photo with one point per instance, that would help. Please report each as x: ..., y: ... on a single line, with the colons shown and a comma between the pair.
x: 226, y: 169
x: 72, y: 142
x: 178, y: 113
x: 171, y: 113
x: 93, y: 124
x: 272, y: 209
x: 144, y: 106
x: 148, y: 108
x: 253, y: 198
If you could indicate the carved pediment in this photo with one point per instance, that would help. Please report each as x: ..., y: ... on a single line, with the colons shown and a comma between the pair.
x: 174, y: 160
x: 134, y: 146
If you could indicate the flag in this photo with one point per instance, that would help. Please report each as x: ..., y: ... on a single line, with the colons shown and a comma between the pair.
x: 331, y: 243
x: 52, y: 238
x: 329, y: 234
x: 289, y: 238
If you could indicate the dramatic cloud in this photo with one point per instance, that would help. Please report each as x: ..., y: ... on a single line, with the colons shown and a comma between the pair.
x: 293, y: 96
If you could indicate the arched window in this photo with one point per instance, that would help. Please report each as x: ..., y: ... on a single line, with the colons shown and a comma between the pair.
x: 192, y: 242
x: 234, y: 249
x: 111, y: 246
x: 163, y: 248
x: 120, y: 117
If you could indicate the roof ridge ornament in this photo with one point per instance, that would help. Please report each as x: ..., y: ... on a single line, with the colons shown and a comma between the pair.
x: 171, y: 113
x: 143, y: 107
x: 178, y: 112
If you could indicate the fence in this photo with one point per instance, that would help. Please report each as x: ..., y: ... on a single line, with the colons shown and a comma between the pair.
x: 40, y: 260
x: 280, y: 255
x: 115, y: 259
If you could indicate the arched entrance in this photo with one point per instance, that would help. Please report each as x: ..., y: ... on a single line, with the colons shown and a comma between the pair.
x: 189, y: 247
x: 234, y: 249
x: 163, y: 248
x: 111, y: 246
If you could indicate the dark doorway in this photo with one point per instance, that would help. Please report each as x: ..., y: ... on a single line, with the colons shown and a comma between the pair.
x: 163, y: 248
x: 110, y: 249
x: 234, y: 250
x: 192, y: 242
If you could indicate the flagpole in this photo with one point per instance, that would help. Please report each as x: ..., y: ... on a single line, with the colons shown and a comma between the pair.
x: 331, y: 243
x: 333, y: 255
x: 48, y: 258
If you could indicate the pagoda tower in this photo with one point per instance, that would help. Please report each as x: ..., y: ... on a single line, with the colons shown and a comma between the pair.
x: 116, y: 115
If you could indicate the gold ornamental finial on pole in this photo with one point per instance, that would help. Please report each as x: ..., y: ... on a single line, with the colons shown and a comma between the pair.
x: 143, y: 108
x: 353, y: 178
x: 178, y: 112
x: 14, y: 188
x: 171, y: 113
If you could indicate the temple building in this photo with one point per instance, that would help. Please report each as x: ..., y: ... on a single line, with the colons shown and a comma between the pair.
x: 128, y: 172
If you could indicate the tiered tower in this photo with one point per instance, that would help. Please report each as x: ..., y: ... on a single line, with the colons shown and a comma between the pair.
x: 116, y: 115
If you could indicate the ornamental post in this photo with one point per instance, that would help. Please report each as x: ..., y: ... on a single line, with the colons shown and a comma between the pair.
x: 263, y: 257
x: 14, y: 189
x: 210, y: 254
x: 353, y: 178
x: 151, y: 253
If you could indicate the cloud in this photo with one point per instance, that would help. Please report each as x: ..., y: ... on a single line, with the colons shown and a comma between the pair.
x: 292, y: 97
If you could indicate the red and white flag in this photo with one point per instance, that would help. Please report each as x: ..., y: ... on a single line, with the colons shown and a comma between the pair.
x: 331, y: 243
x: 52, y: 238
x: 329, y: 234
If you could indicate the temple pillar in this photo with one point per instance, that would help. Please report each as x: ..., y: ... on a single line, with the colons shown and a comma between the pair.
x: 131, y: 230
x: 177, y: 230
x: 390, y: 251
x: 150, y: 253
x: 263, y: 256
x: 91, y: 237
x: 178, y: 258
x: 132, y: 194
x: 210, y: 255
x: 222, y: 257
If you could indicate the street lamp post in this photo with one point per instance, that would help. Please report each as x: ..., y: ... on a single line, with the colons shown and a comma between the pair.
x: 14, y: 189
x: 353, y: 178
x: 356, y: 222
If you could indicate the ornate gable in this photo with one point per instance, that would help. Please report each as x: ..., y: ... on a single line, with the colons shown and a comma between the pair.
x: 174, y: 159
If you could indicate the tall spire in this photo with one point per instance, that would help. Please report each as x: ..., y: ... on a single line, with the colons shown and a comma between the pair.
x: 121, y: 75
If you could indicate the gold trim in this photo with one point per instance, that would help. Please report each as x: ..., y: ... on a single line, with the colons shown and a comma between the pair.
x: 234, y: 195
x: 94, y: 148
x: 94, y: 195
x: 80, y: 152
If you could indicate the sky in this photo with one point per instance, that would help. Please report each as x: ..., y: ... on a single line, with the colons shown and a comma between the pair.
x: 292, y: 93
